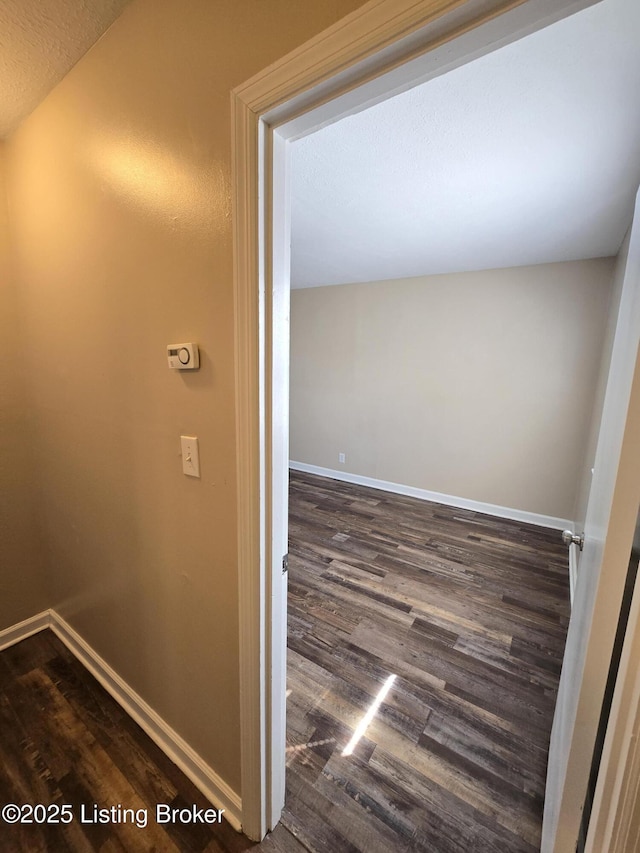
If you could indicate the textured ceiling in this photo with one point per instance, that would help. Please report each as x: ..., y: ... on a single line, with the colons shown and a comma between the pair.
x: 40, y: 41
x: 528, y: 155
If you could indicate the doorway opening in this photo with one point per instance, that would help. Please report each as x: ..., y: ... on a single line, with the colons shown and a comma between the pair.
x: 263, y: 350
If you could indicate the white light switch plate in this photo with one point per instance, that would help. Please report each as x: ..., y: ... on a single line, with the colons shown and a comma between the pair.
x: 190, y: 455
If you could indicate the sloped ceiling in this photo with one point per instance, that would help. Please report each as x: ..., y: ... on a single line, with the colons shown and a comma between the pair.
x: 40, y: 41
x: 528, y: 155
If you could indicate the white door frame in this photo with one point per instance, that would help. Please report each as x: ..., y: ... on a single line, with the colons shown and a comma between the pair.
x: 385, y: 47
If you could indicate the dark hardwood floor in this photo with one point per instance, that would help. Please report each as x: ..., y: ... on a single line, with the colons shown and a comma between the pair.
x: 469, y: 612
x: 64, y: 740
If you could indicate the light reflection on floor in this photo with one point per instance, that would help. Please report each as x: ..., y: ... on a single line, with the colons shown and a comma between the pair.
x: 292, y: 751
x: 359, y: 732
x: 365, y: 722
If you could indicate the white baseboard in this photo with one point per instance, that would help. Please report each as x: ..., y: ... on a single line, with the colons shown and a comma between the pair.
x: 17, y: 633
x: 169, y: 741
x: 178, y: 750
x: 438, y: 497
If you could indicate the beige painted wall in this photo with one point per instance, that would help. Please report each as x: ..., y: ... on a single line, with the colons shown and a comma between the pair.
x: 22, y: 592
x: 476, y: 385
x: 120, y: 187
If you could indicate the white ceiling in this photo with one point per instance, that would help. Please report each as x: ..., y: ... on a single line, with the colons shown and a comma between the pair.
x: 528, y: 155
x: 40, y: 41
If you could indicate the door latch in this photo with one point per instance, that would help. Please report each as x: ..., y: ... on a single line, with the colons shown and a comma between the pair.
x: 285, y: 564
x: 570, y: 538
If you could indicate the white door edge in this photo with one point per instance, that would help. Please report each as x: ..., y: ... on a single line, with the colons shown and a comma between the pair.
x: 609, y: 529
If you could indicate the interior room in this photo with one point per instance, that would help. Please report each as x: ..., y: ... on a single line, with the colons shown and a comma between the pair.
x: 453, y: 253
x: 123, y: 594
x: 453, y: 306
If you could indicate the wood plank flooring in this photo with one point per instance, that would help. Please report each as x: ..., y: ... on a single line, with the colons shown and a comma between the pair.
x: 469, y: 612
x: 63, y: 739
